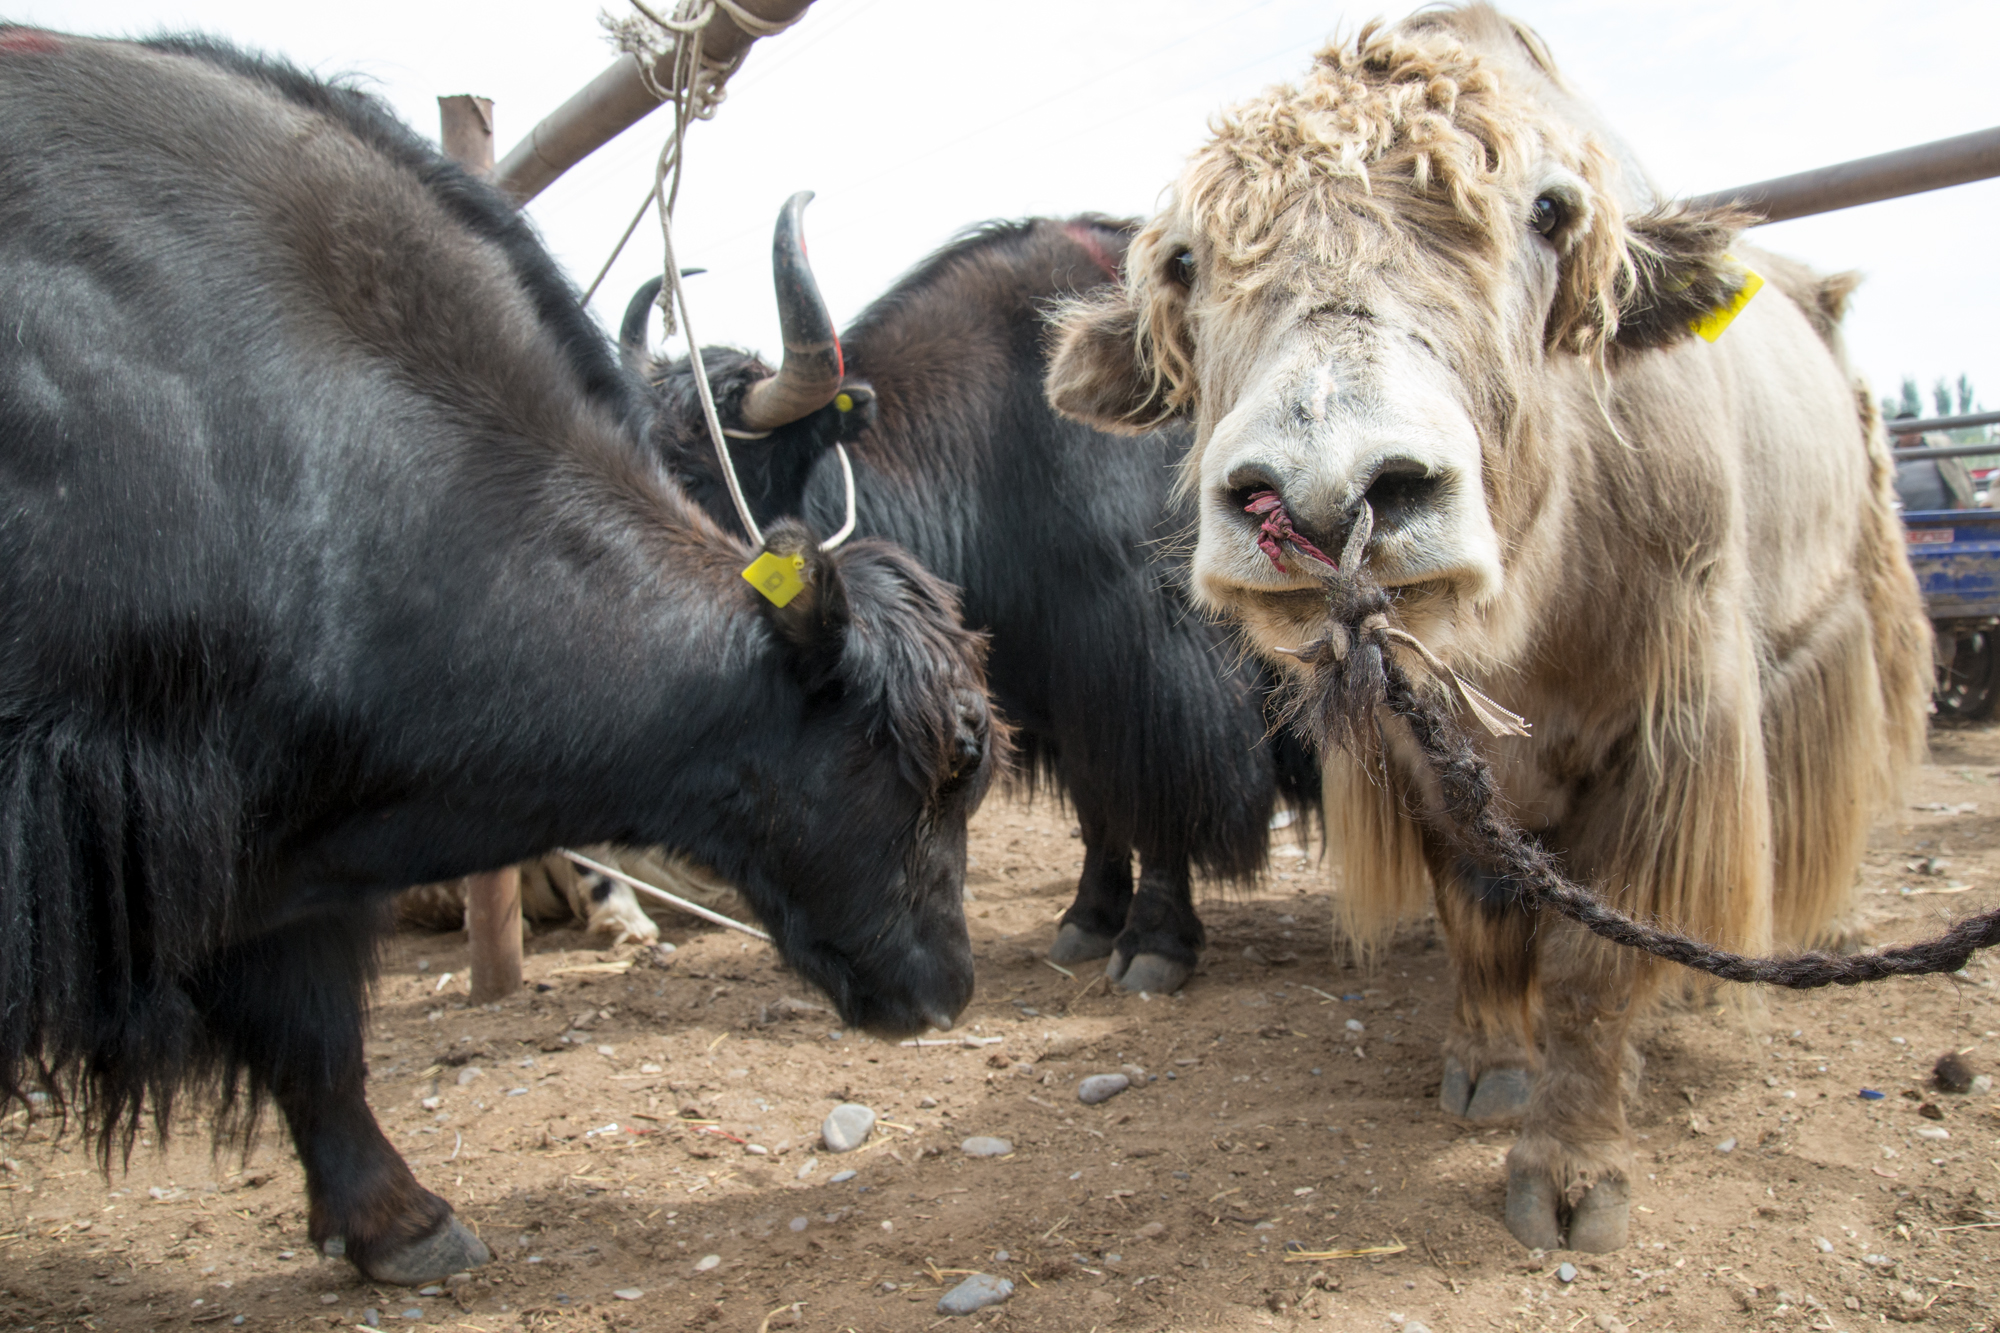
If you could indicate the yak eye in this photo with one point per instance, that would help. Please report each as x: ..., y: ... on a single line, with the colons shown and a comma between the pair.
x: 1546, y: 215
x: 1182, y: 270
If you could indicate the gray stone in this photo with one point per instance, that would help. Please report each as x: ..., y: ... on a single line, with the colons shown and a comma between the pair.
x: 841, y: 1177
x: 982, y: 1145
x: 1726, y: 1146
x: 628, y: 1293
x: 1566, y: 1273
x: 1101, y: 1088
x: 847, y: 1127
x: 975, y: 1293
x: 1415, y: 1326
x: 799, y: 1224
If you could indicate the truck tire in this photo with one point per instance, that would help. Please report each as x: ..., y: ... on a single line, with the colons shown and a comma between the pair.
x: 1968, y: 684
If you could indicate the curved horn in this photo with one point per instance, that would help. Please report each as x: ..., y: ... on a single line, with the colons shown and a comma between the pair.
x: 638, y: 313
x: 632, y: 331
x: 810, y: 375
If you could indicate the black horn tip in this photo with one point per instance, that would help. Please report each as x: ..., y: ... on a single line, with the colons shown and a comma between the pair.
x: 632, y: 329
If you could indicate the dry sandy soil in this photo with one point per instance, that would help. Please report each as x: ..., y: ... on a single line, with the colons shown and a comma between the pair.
x: 632, y: 1114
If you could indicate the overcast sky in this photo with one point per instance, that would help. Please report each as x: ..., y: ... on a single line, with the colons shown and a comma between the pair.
x: 914, y: 118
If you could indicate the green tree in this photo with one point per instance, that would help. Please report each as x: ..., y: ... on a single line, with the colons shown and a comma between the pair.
x: 1941, y: 395
x: 1965, y: 395
x: 1913, y: 403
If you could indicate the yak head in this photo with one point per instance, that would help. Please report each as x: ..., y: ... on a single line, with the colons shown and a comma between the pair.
x: 1365, y: 292
x: 859, y: 749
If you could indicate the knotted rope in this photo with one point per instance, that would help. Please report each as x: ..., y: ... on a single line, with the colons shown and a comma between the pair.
x: 1352, y: 676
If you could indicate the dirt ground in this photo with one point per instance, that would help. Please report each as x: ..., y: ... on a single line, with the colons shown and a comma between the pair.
x: 636, y: 1136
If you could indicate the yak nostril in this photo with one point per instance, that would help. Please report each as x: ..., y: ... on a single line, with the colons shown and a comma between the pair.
x: 1400, y: 489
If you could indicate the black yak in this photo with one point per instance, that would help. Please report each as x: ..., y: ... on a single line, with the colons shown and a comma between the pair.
x: 331, y: 562
x: 1062, y: 539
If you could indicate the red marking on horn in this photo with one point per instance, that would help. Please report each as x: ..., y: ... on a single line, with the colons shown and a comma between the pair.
x: 29, y: 42
x: 1099, y: 256
x: 1277, y: 529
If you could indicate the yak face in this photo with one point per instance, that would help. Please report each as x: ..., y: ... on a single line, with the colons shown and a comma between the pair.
x: 1359, y: 292
x: 861, y: 880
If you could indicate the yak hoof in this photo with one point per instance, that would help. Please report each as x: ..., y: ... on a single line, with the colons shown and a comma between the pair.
x: 1597, y: 1223
x: 1148, y: 972
x: 1531, y: 1210
x: 1455, y: 1093
x: 452, y: 1248
x: 1074, y: 944
x: 1502, y: 1094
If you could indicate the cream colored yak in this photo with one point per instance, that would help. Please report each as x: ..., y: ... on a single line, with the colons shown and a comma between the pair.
x: 1426, y: 282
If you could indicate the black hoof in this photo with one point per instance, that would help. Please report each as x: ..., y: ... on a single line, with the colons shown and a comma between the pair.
x: 1531, y: 1210
x: 452, y: 1248
x: 1148, y: 972
x: 1502, y: 1094
x: 1455, y: 1092
x: 1074, y: 944
x: 1599, y: 1221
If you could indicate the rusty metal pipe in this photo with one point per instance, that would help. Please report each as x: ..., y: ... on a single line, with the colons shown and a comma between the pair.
x: 809, y: 377
x: 1929, y: 166
x: 613, y: 102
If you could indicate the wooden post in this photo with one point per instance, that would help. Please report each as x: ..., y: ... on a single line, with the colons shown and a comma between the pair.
x: 492, y: 900
x: 493, y: 920
x: 613, y: 102
x: 468, y: 131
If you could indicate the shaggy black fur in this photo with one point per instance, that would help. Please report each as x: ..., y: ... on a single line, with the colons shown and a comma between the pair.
x: 1067, y: 544
x: 330, y: 562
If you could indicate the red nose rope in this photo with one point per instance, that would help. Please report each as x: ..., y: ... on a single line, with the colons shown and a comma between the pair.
x: 1350, y: 680
x: 1276, y: 529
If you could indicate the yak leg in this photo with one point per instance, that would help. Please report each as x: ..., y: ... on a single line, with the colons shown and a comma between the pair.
x: 1163, y: 937
x: 287, y: 1007
x: 1489, y: 1060
x: 1103, y: 894
x: 1570, y: 1170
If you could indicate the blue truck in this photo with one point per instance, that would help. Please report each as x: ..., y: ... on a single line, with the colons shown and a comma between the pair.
x: 1956, y: 556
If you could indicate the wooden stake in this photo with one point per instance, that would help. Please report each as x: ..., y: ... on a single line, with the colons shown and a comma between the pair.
x: 493, y: 919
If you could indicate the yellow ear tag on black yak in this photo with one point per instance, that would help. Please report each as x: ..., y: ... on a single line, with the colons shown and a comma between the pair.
x: 1711, y: 325
x: 844, y: 402
x: 776, y: 576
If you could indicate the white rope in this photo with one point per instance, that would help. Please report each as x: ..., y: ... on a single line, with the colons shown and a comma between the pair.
x: 847, y: 477
x: 642, y: 886
x: 696, y: 91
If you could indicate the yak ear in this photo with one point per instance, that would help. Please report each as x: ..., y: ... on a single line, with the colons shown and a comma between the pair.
x: 1100, y: 373
x: 1680, y: 271
x: 815, y: 619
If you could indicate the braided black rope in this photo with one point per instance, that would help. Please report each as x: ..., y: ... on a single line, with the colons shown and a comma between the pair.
x: 1352, y: 677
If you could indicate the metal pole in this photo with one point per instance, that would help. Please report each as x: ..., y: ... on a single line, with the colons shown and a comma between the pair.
x: 1930, y: 166
x: 1912, y: 426
x: 492, y: 900
x: 1948, y: 451
x: 613, y: 102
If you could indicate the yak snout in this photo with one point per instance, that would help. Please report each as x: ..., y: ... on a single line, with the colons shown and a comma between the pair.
x: 1313, y: 521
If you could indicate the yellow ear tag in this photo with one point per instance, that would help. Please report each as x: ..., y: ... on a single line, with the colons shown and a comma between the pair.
x: 844, y: 402
x: 776, y: 576
x: 1711, y: 325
